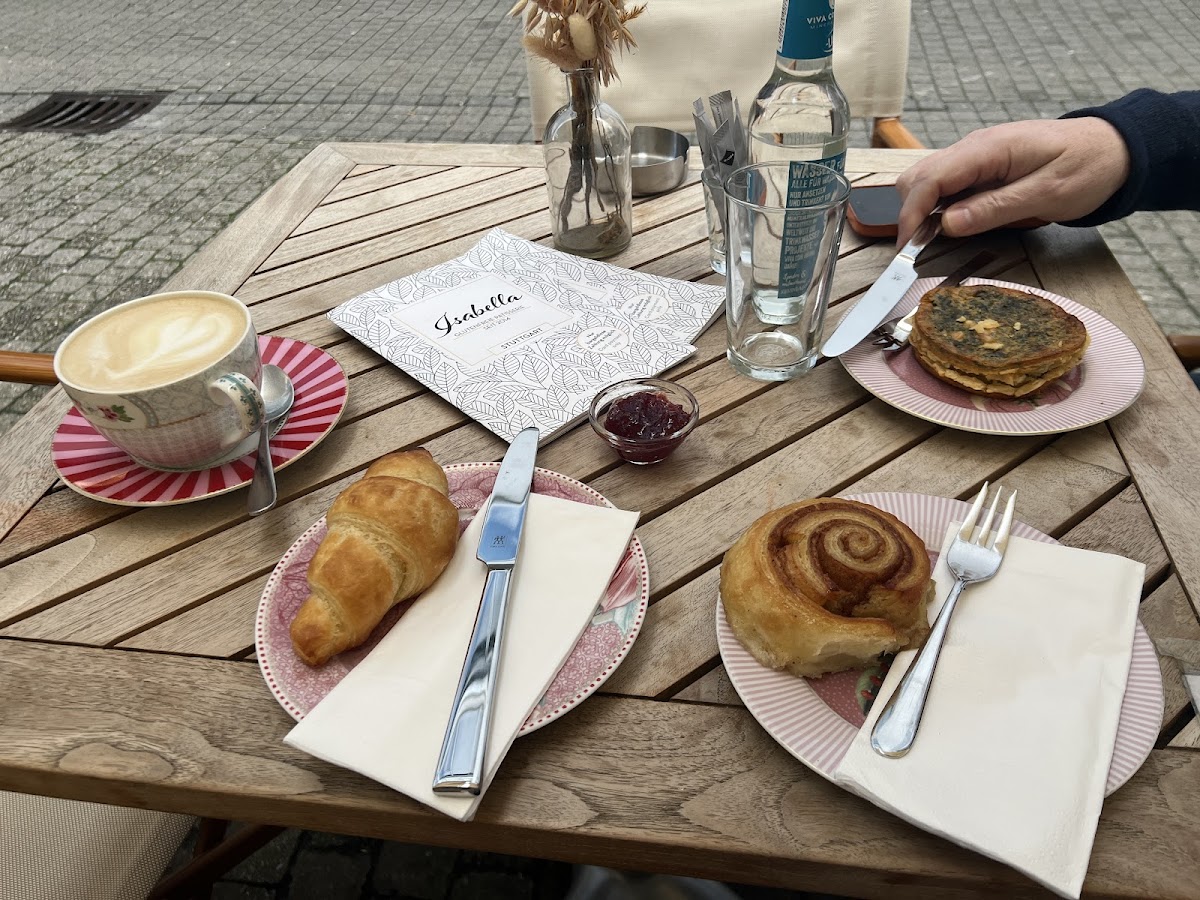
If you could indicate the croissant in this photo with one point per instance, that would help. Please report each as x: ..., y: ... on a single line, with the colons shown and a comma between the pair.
x: 825, y: 585
x: 390, y: 536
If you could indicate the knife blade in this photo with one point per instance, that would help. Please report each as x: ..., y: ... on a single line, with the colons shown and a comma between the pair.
x: 460, y: 763
x: 874, y: 306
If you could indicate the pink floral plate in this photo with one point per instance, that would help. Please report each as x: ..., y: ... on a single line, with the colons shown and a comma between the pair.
x: 1108, y: 380
x: 816, y: 719
x: 92, y: 466
x: 607, y: 640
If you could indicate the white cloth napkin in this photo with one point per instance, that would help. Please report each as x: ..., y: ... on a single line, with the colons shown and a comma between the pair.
x: 1014, y: 747
x: 387, y: 718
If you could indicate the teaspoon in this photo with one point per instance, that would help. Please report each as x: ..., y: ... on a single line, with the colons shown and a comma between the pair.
x: 278, y: 396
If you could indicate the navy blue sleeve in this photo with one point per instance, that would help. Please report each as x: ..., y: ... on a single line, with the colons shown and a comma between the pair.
x: 1162, y: 132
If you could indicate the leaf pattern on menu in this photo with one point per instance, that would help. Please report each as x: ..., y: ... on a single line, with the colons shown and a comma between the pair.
x: 577, y: 358
x: 477, y: 389
x: 566, y: 379
x: 638, y: 353
x: 646, y: 335
x: 557, y: 398
x: 445, y: 378
x: 484, y: 410
x: 567, y: 269
x: 377, y: 332
x: 535, y: 368
x: 510, y: 365
x: 349, y: 320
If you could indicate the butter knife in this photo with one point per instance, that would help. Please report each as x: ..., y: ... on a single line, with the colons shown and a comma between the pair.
x: 460, y: 764
x: 874, y: 306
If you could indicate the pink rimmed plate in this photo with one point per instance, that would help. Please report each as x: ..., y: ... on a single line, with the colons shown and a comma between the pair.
x: 1108, y: 380
x: 607, y: 640
x: 816, y: 719
x: 92, y: 466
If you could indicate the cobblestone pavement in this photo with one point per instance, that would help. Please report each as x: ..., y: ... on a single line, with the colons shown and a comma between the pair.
x: 90, y: 221
x: 86, y: 222
x: 314, y: 866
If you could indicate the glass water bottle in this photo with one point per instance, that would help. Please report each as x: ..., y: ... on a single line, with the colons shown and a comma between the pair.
x: 801, y: 114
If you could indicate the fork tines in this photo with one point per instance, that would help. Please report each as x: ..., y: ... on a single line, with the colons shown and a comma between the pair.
x: 999, y: 538
x: 883, y: 339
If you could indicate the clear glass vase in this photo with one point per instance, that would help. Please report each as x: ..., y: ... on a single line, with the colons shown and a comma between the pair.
x: 587, y: 150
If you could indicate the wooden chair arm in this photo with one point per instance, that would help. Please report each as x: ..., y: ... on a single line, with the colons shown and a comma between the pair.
x: 27, y: 368
x: 891, y: 132
x: 1187, y: 348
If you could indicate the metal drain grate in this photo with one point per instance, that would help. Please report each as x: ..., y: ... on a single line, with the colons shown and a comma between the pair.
x: 76, y: 113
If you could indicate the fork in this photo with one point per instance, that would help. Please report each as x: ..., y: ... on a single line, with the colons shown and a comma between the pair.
x: 970, y: 562
x: 893, y: 334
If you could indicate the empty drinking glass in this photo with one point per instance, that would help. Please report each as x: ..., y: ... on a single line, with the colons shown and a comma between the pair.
x: 783, y: 225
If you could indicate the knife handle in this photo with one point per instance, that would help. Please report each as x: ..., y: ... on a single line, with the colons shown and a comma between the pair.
x: 460, y: 765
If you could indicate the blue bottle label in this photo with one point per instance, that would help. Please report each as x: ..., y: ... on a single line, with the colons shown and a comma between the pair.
x: 806, y: 29
x: 802, y: 232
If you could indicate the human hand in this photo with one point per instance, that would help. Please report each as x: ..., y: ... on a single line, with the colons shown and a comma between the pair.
x: 1053, y: 169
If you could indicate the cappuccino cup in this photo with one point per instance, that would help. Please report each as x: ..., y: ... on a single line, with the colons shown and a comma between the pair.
x: 172, y: 379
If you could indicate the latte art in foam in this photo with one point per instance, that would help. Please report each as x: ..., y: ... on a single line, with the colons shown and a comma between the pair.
x: 150, y: 344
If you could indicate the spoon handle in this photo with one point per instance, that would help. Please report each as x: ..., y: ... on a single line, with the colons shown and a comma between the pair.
x: 262, y: 488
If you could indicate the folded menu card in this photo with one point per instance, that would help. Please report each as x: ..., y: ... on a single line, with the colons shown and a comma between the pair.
x: 387, y: 718
x: 515, y: 334
x: 1018, y: 731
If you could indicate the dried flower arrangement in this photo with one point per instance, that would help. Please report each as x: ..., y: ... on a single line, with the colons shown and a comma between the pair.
x: 569, y: 33
x: 586, y: 143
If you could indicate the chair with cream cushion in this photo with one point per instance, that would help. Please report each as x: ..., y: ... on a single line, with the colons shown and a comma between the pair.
x: 694, y: 48
x: 53, y: 849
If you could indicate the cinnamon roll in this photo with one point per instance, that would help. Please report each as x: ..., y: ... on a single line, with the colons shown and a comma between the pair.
x: 825, y: 585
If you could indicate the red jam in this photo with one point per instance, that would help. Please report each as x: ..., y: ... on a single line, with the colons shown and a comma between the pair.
x: 647, y: 424
x: 645, y: 416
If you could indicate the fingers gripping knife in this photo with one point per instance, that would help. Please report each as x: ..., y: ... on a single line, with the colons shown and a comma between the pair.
x: 460, y: 767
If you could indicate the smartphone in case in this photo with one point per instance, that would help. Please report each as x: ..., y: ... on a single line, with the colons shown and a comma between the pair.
x: 874, y: 210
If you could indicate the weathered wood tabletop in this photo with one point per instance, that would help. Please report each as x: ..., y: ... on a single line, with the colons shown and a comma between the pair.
x: 126, y: 636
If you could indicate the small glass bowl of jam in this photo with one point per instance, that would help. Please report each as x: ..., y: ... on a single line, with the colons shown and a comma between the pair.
x: 644, y: 419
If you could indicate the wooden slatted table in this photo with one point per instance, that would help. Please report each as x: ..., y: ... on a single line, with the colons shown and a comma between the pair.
x: 126, y: 636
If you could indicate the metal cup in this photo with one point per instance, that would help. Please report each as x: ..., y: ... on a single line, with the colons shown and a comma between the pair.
x: 783, y: 224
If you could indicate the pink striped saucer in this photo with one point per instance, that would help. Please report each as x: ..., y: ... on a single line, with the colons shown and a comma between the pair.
x: 1108, y: 380
x: 815, y: 719
x: 91, y: 465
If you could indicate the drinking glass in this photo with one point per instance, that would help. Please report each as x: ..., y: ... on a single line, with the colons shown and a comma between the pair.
x: 783, y: 224
x: 714, y: 211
